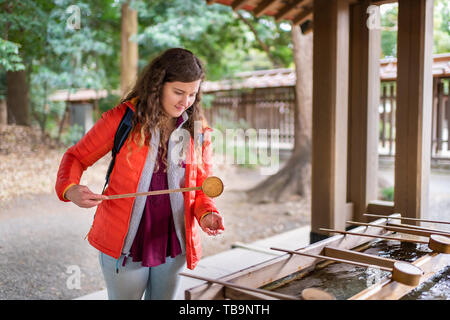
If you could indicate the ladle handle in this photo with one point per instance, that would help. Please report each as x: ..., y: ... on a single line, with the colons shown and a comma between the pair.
x: 334, y: 259
x: 405, y: 218
x: 416, y: 232
x: 151, y: 193
x: 378, y: 236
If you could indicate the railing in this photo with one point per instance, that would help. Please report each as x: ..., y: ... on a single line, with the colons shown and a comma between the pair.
x: 273, y: 108
x: 440, y: 146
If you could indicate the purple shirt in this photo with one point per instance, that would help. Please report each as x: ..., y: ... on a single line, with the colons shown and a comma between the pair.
x: 156, y: 238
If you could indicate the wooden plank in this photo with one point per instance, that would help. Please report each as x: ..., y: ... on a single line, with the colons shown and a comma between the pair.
x: 365, y: 50
x: 238, y: 4
x: 439, y: 116
x: 302, y: 17
x: 392, y: 96
x: 264, y: 6
x: 287, y: 9
x: 282, y: 266
x: 330, y: 114
x: 448, y: 120
x: 380, y: 2
x: 393, y: 290
x: 380, y: 207
x: 383, y: 117
x: 414, y: 106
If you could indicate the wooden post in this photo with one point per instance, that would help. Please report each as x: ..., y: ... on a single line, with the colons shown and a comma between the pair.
x: 129, y: 49
x: 364, y: 87
x: 414, y: 106
x: 330, y: 98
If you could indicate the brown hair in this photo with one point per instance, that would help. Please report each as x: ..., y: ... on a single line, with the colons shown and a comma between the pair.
x: 174, y: 64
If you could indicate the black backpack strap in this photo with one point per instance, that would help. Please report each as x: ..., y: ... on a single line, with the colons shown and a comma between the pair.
x: 123, y: 130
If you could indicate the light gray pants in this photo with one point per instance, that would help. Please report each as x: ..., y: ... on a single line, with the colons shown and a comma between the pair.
x: 132, y: 280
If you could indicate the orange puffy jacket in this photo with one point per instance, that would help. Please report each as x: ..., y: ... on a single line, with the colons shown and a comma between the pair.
x: 112, y: 218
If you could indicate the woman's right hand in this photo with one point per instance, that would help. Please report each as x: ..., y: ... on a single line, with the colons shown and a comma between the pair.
x: 83, y: 197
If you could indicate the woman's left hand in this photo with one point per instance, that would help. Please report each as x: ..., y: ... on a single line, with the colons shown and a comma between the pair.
x: 212, y: 224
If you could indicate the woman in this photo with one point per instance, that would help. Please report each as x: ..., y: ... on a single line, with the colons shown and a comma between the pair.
x: 144, y: 242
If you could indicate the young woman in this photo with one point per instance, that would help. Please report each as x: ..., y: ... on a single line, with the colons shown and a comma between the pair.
x: 144, y: 242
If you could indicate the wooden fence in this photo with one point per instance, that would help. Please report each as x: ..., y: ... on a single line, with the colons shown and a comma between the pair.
x: 259, y: 108
x: 273, y: 108
x: 440, y: 146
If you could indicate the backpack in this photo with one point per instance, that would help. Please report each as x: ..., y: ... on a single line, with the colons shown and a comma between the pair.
x: 123, y: 130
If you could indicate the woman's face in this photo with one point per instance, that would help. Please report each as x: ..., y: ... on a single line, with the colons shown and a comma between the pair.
x: 178, y: 96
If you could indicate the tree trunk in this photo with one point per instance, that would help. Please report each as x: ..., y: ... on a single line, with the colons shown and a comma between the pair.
x: 295, y: 176
x: 18, y: 102
x: 129, y: 49
x: 3, y: 113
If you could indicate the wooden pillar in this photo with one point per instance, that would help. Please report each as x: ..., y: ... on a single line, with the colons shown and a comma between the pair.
x: 364, y: 99
x: 330, y: 104
x: 414, y: 106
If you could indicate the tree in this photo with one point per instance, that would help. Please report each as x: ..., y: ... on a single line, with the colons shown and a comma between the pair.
x: 295, y: 176
x: 129, y: 48
x: 23, y: 25
x: 57, y: 55
x: 10, y: 60
x: 224, y: 43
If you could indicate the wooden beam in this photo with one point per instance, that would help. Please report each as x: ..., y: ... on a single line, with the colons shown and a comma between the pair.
x: 380, y: 2
x: 263, y: 7
x: 330, y: 115
x: 302, y: 17
x: 210, y: 1
x: 414, y: 106
x: 238, y: 4
x: 379, y: 207
x: 364, y: 87
x: 288, y: 8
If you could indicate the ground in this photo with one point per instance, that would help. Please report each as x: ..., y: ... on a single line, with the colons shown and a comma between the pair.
x: 42, y: 238
x: 42, y: 241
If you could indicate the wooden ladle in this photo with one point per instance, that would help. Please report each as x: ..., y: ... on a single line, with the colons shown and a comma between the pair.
x: 212, y: 187
x: 403, y: 272
x: 436, y: 242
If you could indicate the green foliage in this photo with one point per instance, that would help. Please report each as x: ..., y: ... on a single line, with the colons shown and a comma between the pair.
x: 441, y: 26
x: 207, y: 100
x: 212, y: 32
x: 10, y: 59
x: 388, y: 194
x: 441, y: 32
x: 104, y: 104
x: 72, y: 135
x: 389, y: 18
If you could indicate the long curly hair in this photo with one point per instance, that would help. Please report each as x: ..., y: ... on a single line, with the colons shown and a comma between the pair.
x: 176, y: 64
